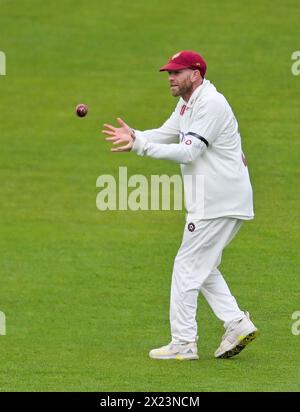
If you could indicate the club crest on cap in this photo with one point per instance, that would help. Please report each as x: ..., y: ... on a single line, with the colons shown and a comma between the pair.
x: 176, y: 55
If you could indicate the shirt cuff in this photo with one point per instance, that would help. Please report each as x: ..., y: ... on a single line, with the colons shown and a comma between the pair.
x: 139, y: 144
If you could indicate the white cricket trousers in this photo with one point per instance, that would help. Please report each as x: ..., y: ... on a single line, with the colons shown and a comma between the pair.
x: 196, y: 270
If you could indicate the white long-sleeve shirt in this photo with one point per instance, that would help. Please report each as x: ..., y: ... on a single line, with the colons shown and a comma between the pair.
x: 202, y: 135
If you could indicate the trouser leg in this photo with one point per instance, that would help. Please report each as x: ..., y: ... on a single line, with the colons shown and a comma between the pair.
x: 195, y: 261
x: 217, y: 293
x: 218, y: 296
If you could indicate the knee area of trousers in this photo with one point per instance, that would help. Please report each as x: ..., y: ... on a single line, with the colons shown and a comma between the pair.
x: 189, y: 290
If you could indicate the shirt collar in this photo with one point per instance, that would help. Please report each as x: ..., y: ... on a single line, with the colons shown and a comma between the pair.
x: 197, y: 93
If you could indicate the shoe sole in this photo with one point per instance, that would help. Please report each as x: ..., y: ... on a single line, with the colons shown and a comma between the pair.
x: 175, y: 357
x: 240, y: 346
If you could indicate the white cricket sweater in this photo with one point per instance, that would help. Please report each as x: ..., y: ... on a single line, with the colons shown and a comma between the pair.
x: 202, y: 135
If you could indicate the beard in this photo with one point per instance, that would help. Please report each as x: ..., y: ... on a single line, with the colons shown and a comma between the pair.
x: 181, y: 90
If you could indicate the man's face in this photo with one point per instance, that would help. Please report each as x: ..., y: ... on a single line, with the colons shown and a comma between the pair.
x: 181, y: 82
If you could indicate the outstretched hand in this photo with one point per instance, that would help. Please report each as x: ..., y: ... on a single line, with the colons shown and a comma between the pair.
x: 119, y: 135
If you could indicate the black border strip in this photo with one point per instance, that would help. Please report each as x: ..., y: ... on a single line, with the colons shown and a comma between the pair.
x: 198, y: 137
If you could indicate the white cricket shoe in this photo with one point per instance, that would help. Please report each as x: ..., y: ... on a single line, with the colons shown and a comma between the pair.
x: 185, y: 351
x: 237, y: 336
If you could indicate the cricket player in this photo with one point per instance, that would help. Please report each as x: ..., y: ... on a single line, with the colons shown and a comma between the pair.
x: 202, y: 136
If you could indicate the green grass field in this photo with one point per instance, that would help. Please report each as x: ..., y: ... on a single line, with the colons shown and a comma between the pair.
x: 86, y: 293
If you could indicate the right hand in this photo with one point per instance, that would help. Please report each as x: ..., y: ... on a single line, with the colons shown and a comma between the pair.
x: 119, y: 135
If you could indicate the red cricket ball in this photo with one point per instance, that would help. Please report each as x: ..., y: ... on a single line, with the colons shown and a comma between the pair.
x: 81, y: 110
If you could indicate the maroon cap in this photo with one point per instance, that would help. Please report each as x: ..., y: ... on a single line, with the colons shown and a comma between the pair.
x: 186, y: 59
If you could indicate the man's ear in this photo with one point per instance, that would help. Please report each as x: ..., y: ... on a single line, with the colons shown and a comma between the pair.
x: 196, y: 75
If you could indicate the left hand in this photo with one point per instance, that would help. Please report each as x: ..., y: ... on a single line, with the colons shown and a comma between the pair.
x: 119, y: 135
